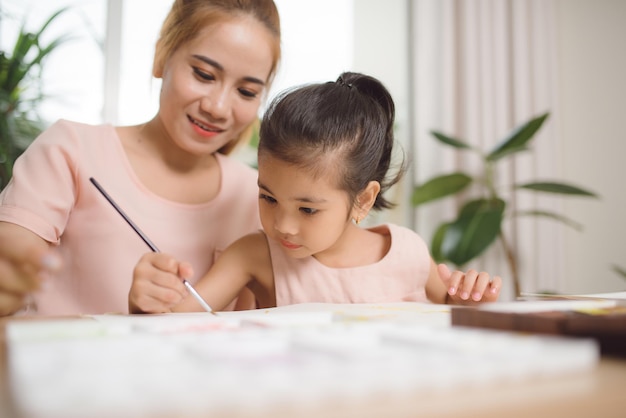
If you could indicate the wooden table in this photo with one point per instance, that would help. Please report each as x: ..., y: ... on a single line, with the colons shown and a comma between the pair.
x: 598, y: 393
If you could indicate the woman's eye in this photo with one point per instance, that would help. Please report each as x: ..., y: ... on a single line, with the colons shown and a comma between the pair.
x: 308, y: 211
x: 248, y: 93
x: 203, y: 75
x: 267, y: 198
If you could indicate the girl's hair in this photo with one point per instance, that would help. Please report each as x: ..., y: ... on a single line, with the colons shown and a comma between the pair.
x: 188, y: 17
x: 343, y: 127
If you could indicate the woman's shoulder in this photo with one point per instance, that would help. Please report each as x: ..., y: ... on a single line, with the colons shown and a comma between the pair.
x: 71, y: 125
x: 230, y: 164
x: 69, y: 133
x: 237, y: 176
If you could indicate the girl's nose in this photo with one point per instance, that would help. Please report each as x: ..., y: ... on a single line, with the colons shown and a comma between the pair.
x: 285, y: 225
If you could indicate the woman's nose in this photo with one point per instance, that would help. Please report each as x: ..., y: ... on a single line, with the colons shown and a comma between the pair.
x: 216, y: 103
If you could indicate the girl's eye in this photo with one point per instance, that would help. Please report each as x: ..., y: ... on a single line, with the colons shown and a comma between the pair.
x: 308, y: 211
x: 267, y: 198
x: 203, y: 75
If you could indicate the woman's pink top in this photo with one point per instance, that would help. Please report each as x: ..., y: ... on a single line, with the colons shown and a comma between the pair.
x: 401, y: 275
x: 51, y: 195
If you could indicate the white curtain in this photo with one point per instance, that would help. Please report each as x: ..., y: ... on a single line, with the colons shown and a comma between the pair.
x: 481, y: 67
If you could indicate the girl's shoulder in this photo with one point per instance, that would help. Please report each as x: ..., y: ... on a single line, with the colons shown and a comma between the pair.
x: 252, y: 244
x: 401, y: 237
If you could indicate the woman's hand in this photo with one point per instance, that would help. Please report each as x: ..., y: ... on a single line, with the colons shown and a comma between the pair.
x: 25, y: 258
x: 157, y: 284
x: 469, y: 287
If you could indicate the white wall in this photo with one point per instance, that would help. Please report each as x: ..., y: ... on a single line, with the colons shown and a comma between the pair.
x: 381, y: 50
x: 592, y: 86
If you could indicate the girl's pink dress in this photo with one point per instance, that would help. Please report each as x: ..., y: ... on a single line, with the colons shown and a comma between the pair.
x: 400, y: 276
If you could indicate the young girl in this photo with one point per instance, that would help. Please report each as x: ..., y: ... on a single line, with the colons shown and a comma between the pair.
x: 171, y: 175
x: 324, y: 159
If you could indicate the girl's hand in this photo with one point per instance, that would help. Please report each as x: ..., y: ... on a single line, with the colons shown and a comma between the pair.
x: 469, y: 287
x: 157, y: 284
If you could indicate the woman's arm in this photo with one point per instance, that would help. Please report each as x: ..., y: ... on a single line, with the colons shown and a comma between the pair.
x: 24, y: 257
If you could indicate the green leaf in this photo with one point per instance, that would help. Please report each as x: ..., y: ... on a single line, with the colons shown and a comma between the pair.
x: 619, y: 270
x: 20, y: 93
x: 518, y: 138
x: 437, y: 241
x: 505, y: 152
x: 569, y: 222
x: 477, y: 227
x: 439, y: 187
x: 559, y: 188
x: 457, y: 143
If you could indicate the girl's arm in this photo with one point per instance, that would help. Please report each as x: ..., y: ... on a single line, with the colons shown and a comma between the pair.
x: 244, y: 263
x: 458, y: 287
x: 157, y: 286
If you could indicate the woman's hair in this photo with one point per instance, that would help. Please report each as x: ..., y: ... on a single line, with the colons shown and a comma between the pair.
x: 343, y: 128
x: 188, y: 17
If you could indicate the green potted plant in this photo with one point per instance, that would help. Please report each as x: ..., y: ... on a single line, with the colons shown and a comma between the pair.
x: 479, y: 220
x: 21, y: 93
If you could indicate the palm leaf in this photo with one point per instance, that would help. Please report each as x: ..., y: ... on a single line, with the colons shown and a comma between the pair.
x: 477, y: 227
x: 457, y: 143
x: 559, y: 188
x: 518, y: 138
x: 555, y: 216
x: 439, y: 187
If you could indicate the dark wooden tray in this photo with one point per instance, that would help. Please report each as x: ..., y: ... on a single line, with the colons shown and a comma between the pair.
x: 606, y: 325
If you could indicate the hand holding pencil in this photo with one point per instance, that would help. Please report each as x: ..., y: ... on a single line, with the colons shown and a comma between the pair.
x: 161, y: 292
x: 157, y: 286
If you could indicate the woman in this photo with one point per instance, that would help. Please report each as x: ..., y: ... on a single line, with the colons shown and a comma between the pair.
x: 64, y: 249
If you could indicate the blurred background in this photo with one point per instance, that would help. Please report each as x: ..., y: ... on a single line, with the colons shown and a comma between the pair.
x: 472, y: 69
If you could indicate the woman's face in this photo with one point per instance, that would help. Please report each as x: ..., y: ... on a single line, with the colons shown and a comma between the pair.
x: 212, y: 86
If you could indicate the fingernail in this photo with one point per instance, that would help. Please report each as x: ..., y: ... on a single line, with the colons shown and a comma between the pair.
x: 476, y: 296
x: 494, y: 290
x: 452, y: 290
x: 464, y: 295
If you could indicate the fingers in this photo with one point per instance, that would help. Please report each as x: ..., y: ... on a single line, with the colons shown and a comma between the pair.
x: 20, y: 276
x: 473, y: 286
x: 11, y: 303
x: 24, y: 259
x: 156, y: 286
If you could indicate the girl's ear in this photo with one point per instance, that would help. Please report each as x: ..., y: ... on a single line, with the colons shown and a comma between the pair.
x: 365, y: 200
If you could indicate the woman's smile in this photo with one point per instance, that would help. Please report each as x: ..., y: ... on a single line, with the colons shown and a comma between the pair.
x: 204, y: 129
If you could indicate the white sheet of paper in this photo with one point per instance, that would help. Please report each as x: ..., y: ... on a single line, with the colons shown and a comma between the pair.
x: 202, y: 364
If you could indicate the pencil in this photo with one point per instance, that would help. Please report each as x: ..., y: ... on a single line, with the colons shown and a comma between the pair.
x: 149, y: 243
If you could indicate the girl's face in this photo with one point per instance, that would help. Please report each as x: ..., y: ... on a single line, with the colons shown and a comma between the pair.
x: 306, y: 215
x: 212, y: 86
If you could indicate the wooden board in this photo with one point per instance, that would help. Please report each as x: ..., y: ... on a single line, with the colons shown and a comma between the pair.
x: 606, y: 325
